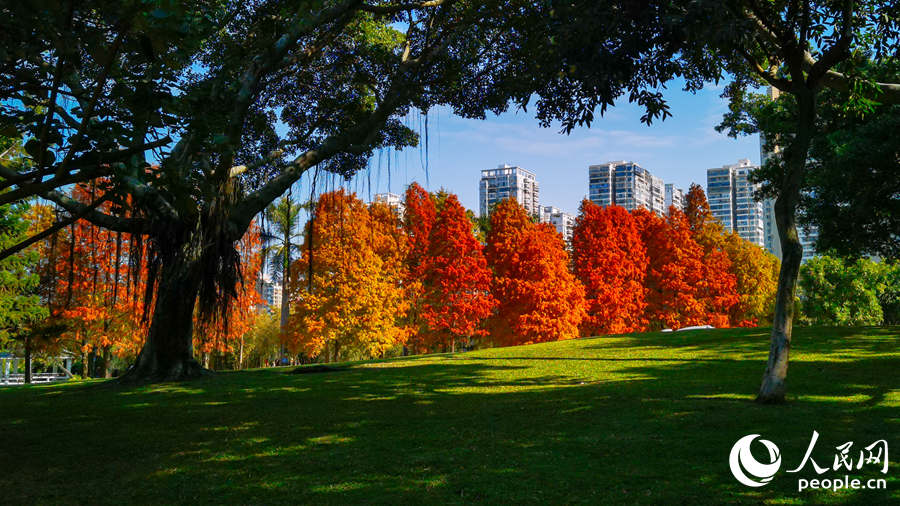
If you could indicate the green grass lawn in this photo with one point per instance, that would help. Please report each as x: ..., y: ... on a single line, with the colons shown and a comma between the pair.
x: 633, y: 419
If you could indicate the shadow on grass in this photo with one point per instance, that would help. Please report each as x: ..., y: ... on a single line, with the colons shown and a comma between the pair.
x: 458, y: 429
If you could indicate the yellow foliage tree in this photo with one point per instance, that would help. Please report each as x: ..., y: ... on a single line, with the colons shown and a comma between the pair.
x: 347, y: 297
x: 755, y: 269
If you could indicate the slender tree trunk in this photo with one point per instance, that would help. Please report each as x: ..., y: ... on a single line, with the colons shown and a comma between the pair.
x: 774, y: 380
x: 168, y: 353
x: 285, y: 275
x: 85, y: 360
x: 241, y: 355
x: 107, y: 373
x: 27, y: 359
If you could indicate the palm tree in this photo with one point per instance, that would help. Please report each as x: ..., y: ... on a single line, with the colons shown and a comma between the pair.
x: 282, y: 241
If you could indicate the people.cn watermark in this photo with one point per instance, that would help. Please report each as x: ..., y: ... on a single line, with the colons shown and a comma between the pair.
x: 753, y: 473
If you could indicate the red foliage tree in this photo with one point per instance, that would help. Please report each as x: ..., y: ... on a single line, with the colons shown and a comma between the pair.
x: 686, y: 285
x: 456, y: 281
x: 611, y: 262
x: 721, y: 288
x: 418, y: 219
x: 538, y: 298
x: 696, y: 208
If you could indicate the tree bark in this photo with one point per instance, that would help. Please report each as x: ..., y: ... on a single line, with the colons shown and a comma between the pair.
x: 774, y: 385
x: 168, y: 353
x: 285, y: 275
x: 241, y: 355
x: 107, y: 373
x: 28, y: 359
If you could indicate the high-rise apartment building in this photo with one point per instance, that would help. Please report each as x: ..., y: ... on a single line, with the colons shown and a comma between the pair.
x: 393, y: 201
x: 674, y: 197
x: 563, y: 221
x: 508, y: 182
x: 807, y: 235
x: 270, y: 292
x: 626, y: 184
x: 731, y: 200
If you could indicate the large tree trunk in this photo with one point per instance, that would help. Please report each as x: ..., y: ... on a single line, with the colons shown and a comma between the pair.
x: 774, y: 380
x: 168, y: 353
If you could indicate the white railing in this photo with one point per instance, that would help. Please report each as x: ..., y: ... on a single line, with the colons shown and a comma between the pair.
x: 10, y: 375
x: 38, y: 377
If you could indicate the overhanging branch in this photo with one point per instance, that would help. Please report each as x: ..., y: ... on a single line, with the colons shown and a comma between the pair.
x: 114, y: 223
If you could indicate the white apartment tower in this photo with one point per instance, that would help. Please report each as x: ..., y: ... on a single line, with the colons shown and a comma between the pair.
x: 562, y: 221
x: 270, y: 292
x: 508, y: 182
x: 807, y: 236
x: 730, y: 195
x: 626, y: 184
x: 674, y: 197
x: 393, y: 201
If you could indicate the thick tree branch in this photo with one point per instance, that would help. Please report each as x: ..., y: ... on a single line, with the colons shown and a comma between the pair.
x: 12, y: 250
x: 358, y: 140
x: 27, y: 190
x: 890, y: 92
x: 263, y: 64
x: 100, y: 161
x: 114, y: 223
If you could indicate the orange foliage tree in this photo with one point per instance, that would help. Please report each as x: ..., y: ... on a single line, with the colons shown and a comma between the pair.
x: 538, y: 298
x: 91, y: 288
x: 611, y: 261
x: 456, y: 293
x: 95, y: 284
x: 755, y: 270
x: 686, y: 285
x: 347, y: 292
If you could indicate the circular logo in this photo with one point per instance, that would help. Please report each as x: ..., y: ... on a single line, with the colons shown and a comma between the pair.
x: 747, y: 469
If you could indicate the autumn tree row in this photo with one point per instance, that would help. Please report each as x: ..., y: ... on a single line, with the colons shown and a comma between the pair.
x: 642, y: 271
x: 370, y: 281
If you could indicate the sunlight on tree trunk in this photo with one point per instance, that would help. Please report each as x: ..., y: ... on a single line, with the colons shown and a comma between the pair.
x: 774, y: 380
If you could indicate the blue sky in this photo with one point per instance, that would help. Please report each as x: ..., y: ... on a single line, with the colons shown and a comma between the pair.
x: 679, y: 150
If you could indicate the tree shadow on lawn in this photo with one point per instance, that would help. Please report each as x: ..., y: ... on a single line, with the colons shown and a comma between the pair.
x: 449, y: 431
x: 827, y: 340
